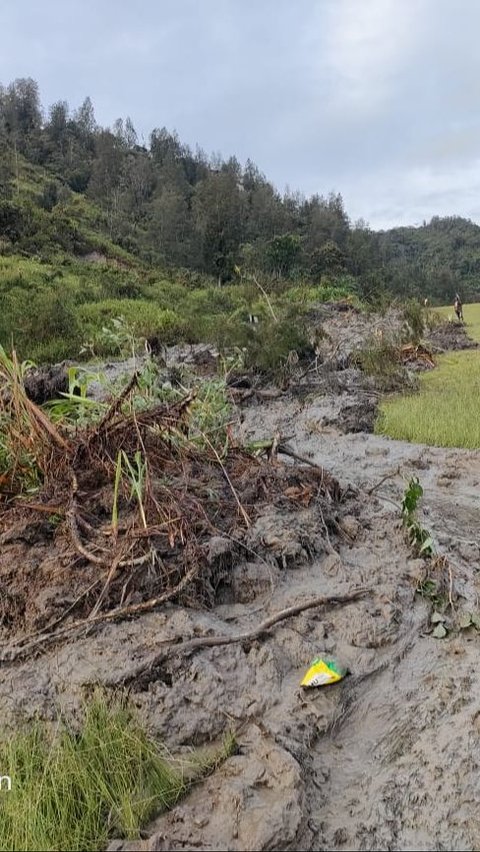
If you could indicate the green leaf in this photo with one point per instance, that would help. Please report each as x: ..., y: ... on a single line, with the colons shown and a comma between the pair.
x: 465, y: 621
x: 427, y: 546
x: 440, y: 632
x: 475, y: 619
x: 437, y: 617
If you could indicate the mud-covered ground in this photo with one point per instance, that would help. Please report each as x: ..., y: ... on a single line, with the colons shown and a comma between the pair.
x: 386, y: 759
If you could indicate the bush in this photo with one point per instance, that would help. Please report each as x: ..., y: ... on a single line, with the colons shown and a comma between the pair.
x: 414, y: 318
x: 380, y: 358
x: 142, y: 317
x: 270, y: 344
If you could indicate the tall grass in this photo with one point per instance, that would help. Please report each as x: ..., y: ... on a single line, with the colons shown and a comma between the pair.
x: 76, y: 790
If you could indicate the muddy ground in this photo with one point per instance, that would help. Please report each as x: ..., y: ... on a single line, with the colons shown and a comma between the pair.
x: 386, y: 759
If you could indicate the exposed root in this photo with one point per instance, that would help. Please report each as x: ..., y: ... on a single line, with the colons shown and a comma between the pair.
x: 138, y: 501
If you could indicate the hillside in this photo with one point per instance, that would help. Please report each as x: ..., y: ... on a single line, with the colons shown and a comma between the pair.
x: 95, y: 227
x: 437, y: 258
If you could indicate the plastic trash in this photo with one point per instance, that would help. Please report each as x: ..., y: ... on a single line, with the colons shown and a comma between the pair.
x: 323, y: 672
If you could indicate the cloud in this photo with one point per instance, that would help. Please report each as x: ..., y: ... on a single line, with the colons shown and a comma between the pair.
x: 367, y: 45
x: 408, y: 196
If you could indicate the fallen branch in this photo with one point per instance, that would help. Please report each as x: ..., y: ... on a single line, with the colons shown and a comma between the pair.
x: 395, y: 473
x: 10, y: 654
x: 274, y: 445
x: 193, y: 645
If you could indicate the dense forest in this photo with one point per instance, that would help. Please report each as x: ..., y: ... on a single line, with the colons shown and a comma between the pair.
x: 70, y: 188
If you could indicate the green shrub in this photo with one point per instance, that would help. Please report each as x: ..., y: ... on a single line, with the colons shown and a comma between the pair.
x: 414, y: 319
x: 270, y: 343
x: 380, y: 358
x: 144, y: 319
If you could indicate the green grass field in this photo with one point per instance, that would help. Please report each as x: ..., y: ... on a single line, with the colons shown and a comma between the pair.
x: 445, y: 412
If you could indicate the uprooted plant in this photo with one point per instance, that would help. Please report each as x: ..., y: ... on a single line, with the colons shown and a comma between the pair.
x: 189, y: 480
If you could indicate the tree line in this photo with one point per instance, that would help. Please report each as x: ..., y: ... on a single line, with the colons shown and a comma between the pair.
x: 178, y: 207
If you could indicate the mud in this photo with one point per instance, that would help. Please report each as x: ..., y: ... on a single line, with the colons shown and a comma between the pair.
x: 45, y: 383
x: 451, y: 335
x: 386, y: 759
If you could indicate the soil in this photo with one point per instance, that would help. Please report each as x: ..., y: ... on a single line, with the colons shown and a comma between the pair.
x: 386, y: 759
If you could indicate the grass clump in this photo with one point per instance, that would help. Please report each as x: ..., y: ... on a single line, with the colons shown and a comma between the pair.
x: 380, y: 359
x: 75, y: 790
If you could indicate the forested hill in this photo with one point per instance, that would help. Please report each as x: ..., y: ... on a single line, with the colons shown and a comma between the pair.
x: 68, y: 184
x: 437, y: 258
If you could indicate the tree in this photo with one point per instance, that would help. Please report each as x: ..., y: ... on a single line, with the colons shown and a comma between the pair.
x: 57, y: 126
x: 84, y: 118
x: 218, y: 210
x: 283, y: 253
x: 163, y: 143
x: 329, y: 259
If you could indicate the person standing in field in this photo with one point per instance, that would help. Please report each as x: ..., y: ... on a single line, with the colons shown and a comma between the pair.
x: 458, y: 307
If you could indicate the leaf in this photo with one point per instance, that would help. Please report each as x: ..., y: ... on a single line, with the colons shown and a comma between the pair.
x: 475, y: 619
x: 437, y: 617
x: 427, y: 545
x: 465, y: 621
x: 440, y: 632
x: 303, y: 494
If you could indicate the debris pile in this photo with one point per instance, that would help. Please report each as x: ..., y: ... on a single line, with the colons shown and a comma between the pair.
x: 130, y: 505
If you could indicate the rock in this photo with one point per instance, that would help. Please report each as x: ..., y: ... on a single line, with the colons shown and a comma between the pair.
x: 350, y: 526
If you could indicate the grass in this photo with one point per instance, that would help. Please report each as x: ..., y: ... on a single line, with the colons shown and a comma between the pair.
x: 77, y: 789
x: 445, y: 411
x: 471, y: 314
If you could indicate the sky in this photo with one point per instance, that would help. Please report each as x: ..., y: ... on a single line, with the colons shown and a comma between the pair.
x: 376, y: 99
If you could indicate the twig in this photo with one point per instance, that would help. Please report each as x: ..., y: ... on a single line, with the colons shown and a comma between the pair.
x: 10, y: 654
x: 116, y: 404
x: 193, y: 645
x: 384, y: 479
x: 265, y: 294
x: 286, y: 451
x: 101, y: 597
x: 237, y: 499
x: 450, y: 587
x: 79, y: 547
x: 389, y: 500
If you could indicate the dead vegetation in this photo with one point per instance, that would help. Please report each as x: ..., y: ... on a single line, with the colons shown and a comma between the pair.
x: 129, y: 506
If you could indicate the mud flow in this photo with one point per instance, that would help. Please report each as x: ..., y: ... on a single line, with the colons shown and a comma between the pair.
x: 388, y: 758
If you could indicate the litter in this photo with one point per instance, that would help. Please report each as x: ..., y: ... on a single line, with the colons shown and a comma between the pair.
x: 323, y: 672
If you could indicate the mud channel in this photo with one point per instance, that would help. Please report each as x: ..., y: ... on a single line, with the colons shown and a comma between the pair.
x: 387, y: 759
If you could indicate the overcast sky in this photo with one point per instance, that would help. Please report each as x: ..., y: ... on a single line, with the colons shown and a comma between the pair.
x: 376, y: 99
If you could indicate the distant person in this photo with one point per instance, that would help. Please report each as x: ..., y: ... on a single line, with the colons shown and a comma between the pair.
x: 425, y: 303
x: 458, y: 307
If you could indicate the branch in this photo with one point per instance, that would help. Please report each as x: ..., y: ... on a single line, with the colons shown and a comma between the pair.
x: 193, y: 645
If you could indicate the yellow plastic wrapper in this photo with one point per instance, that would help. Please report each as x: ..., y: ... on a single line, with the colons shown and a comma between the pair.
x: 323, y: 672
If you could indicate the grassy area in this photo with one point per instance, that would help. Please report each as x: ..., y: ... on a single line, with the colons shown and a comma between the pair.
x: 471, y: 315
x: 78, y: 789
x: 445, y: 412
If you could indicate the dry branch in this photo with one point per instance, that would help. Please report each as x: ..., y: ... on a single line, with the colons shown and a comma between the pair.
x: 193, y: 645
